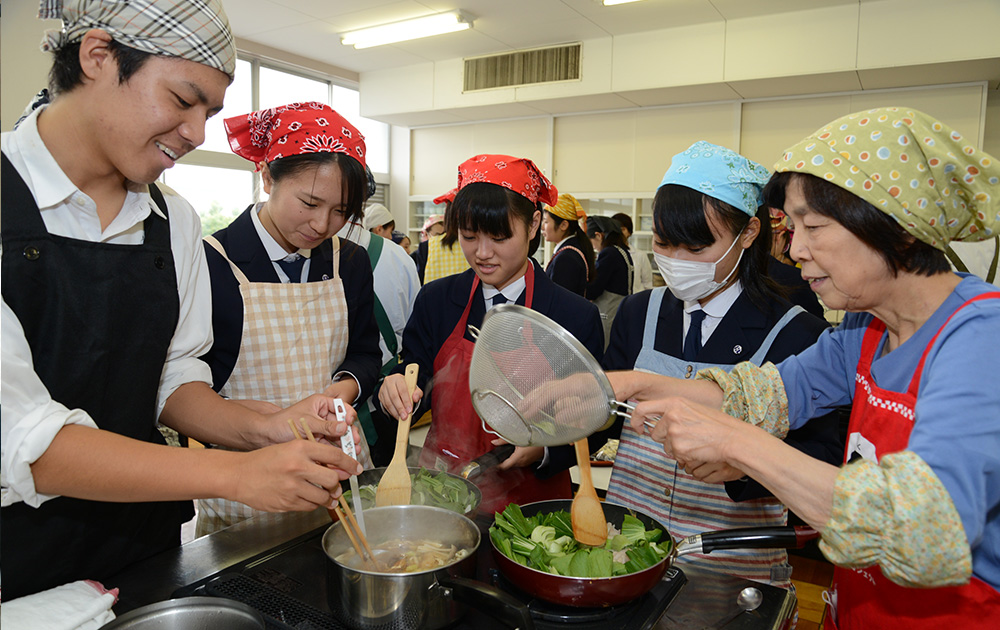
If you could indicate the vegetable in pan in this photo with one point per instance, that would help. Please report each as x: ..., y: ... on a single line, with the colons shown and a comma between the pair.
x: 545, y: 542
x: 428, y: 488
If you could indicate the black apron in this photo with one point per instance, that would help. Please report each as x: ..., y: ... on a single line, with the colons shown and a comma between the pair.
x: 98, y: 318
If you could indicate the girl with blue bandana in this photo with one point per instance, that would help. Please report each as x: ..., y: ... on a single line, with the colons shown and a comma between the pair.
x: 711, y: 242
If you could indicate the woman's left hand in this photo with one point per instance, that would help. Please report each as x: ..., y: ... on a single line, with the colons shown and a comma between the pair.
x: 692, y: 434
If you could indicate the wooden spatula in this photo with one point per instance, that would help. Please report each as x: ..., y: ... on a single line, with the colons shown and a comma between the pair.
x: 394, y: 487
x: 590, y: 527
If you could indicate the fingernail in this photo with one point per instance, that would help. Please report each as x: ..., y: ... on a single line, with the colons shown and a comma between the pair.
x: 360, y: 469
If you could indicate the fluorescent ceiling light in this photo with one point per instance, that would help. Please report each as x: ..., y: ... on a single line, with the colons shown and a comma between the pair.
x: 609, y: 3
x: 416, y: 28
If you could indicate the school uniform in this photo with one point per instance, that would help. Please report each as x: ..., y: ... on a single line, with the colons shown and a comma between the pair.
x: 279, y: 339
x: 568, y: 266
x: 438, y: 340
x: 649, y: 334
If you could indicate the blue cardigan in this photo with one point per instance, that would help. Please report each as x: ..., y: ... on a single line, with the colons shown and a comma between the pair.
x: 568, y: 269
x: 244, y: 248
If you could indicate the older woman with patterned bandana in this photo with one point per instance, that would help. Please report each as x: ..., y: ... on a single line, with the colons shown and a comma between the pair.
x: 912, y: 519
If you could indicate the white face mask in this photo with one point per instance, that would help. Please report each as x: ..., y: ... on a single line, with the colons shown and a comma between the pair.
x: 691, y: 280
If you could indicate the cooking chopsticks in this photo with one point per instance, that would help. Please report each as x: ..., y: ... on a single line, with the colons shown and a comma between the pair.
x: 343, y: 510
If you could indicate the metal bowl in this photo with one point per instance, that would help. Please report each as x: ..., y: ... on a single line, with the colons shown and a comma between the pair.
x: 373, y: 476
x: 190, y: 613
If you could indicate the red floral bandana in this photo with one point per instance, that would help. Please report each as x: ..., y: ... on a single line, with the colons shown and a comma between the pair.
x: 517, y: 174
x: 293, y: 129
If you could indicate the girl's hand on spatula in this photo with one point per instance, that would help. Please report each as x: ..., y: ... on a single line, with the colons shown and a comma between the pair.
x: 395, y: 397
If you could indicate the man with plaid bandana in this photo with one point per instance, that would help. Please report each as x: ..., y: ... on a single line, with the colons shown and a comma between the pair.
x: 105, y: 316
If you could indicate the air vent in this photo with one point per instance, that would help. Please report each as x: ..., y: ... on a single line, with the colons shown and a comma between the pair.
x: 523, y: 67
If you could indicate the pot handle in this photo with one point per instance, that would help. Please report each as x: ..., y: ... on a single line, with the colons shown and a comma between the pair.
x: 504, y: 607
x: 785, y: 537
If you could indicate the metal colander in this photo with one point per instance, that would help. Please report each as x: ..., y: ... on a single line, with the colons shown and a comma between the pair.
x: 534, y: 383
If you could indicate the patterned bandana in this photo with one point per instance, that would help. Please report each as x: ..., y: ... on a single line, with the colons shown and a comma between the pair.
x: 431, y: 221
x: 196, y: 30
x: 917, y: 170
x: 568, y: 208
x: 293, y: 129
x: 448, y: 196
x: 518, y: 174
x: 719, y: 173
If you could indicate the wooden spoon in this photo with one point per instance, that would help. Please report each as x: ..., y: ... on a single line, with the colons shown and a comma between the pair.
x: 590, y: 527
x: 394, y: 487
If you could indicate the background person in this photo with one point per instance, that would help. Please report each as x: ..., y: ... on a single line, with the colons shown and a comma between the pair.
x: 104, y: 282
x: 642, y: 279
x: 292, y: 303
x: 614, y: 269
x: 572, y: 263
x: 379, y: 221
x: 912, y: 520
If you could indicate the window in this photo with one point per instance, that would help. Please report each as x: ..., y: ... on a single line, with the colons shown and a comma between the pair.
x: 220, y: 184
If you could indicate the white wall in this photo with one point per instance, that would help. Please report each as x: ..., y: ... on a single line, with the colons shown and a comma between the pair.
x: 24, y: 68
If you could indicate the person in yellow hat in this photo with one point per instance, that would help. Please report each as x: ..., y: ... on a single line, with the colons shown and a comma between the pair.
x: 572, y: 262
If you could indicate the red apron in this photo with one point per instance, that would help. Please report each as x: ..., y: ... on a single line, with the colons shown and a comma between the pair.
x: 881, y: 422
x: 456, y: 434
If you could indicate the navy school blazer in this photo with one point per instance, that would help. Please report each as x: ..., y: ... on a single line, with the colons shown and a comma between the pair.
x: 568, y: 269
x: 440, y: 304
x: 738, y: 336
x: 244, y: 248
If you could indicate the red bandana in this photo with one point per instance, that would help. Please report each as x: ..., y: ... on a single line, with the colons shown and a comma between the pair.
x: 517, y: 174
x: 293, y: 129
x: 448, y: 196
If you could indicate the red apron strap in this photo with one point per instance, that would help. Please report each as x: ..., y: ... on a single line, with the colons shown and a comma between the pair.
x: 915, y: 382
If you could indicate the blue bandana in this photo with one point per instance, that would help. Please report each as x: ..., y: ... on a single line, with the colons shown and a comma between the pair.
x: 719, y: 173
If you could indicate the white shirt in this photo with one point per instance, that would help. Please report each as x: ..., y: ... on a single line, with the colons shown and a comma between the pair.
x: 512, y: 291
x: 395, y: 279
x: 30, y: 418
x: 276, y: 252
x: 714, y: 311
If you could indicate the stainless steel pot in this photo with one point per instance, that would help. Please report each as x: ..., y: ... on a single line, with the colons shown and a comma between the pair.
x: 190, y: 613
x: 430, y: 599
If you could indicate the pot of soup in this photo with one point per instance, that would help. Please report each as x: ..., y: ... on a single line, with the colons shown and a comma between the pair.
x: 423, y: 577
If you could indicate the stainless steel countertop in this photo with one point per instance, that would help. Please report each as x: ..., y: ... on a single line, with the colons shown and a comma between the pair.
x: 706, y: 601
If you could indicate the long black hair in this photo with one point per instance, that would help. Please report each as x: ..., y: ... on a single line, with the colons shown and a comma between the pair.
x: 680, y: 218
x: 490, y: 208
x: 580, y: 241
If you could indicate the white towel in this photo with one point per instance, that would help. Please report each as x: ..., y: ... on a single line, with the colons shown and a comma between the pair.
x: 83, y: 605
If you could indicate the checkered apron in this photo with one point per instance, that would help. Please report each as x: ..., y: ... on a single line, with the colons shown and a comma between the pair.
x: 294, y: 336
x: 645, y: 479
x: 443, y: 261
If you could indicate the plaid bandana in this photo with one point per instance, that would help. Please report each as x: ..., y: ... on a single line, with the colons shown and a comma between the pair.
x: 293, y: 129
x: 196, y: 30
x: 719, y: 173
x: 568, y: 208
x: 518, y: 174
x: 917, y: 170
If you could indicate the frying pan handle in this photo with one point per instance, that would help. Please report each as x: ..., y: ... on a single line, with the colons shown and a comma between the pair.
x: 488, y: 460
x: 785, y: 537
x: 501, y: 606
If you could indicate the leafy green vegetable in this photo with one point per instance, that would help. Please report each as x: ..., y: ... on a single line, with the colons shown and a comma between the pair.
x: 545, y: 542
x: 428, y: 488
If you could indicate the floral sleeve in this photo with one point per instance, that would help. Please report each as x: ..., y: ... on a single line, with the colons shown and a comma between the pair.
x: 753, y: 394
x: 881, y: 515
